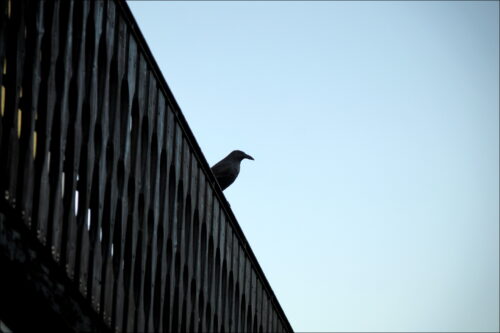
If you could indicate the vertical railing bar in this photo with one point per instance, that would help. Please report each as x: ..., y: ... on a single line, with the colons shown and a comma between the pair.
x: 58, y: 140
x: 32, y: 87
x: 50, y: 49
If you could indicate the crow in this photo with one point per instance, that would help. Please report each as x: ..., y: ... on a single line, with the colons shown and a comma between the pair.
x: 226, y: 170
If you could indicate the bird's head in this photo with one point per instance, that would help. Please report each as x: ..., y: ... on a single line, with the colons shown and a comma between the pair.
x: 239, y: 155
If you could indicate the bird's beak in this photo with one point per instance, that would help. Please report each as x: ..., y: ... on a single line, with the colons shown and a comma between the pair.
x: 249, y: 157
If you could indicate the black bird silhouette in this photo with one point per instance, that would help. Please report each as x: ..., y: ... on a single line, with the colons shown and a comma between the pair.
x: 228, y: 168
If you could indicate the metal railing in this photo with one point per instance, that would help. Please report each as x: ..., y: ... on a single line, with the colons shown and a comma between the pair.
x: 99, y: 161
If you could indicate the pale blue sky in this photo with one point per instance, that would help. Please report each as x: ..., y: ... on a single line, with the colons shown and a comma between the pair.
x: 373, y: 200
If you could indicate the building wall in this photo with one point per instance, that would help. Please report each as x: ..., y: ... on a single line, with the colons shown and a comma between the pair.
x: 103, y: 169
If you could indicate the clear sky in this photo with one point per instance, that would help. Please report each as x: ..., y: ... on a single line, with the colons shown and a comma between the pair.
x: 373, y: 200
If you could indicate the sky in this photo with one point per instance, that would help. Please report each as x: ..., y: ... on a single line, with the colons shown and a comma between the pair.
x: 373, y: 200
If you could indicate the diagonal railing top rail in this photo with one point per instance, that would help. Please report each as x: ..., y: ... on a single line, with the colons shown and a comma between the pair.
x: 101, y: 164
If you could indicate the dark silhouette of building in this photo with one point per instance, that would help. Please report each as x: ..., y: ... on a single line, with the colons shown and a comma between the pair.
x: 110, y: 218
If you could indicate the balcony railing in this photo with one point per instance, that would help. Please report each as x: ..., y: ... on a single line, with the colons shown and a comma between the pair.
x: 101, y: 166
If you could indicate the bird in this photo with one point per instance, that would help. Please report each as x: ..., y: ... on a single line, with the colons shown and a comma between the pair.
x: 227, y: 169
